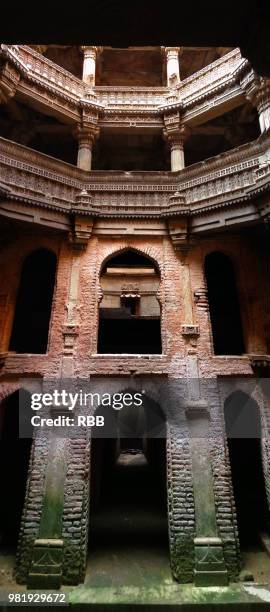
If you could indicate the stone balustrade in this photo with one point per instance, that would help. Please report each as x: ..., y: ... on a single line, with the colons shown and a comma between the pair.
x: 138, y: 97
x: 53, y: 82
x: 224, y: 181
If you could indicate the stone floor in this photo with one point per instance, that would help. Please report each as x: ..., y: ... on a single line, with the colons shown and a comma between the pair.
x: 139, y: 578
x: 128, y: 564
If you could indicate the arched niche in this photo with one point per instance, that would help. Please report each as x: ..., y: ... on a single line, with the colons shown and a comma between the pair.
x: 244, y: 433
x: 129, y: 312
x: 34, y: 303
x: 224, y: 307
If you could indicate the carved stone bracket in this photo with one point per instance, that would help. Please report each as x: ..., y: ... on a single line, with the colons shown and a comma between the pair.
x: 190, y: 330
x: 9, y: 79
x: 70, y: 332
x: 82, y: 231
x: 179, y: 233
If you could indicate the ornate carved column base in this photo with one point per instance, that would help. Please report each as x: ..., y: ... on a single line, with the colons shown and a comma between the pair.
x: 210, y: 568
x: 46, y: 567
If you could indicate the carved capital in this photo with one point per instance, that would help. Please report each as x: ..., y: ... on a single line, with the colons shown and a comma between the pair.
x: 257, y: 90
x: 173, y: 51
x: 175, y: 131
x: 85, y: 134
x: 91, y: 51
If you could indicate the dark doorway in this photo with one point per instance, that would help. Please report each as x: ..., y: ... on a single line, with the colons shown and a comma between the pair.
x: 128, y: 508
x: 15, y: 456
x: 223, y: 305
x: 34, y: 303
x: 243, y: 430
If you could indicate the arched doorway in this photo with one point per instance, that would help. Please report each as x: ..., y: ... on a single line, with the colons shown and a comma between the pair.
x: 14, y: 458
x: 34, y: 302
x: 129, y: 314
x: 128, y: 528
x: 243, y: 431
x: 223, y: 305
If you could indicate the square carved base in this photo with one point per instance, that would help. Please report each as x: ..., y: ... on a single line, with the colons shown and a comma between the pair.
x: 46, y: 567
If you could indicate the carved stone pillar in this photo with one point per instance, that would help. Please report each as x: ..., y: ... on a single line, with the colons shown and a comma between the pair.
x: 47, y: 557
x: 173, y: 70
x: 177, y: 152
x: 85, y: 144
x: 89, y: 65
x: 175, y: 132
x: 210, y: 568
x: 258, y: 92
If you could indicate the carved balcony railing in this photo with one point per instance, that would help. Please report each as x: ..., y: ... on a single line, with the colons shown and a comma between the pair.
x: 44, y: 71
x: 212, y: 78
x: 148, y: 98
x: 225, y: 181
x: 51, y: 84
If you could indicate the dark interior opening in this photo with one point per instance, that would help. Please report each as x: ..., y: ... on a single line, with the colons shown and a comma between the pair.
x: 131, y: 151
x: 243, y: 430
x: 128, y: 508
x: 131, y: 304
x: 223, y: 305
x: 15, y: 456
x: 34, y: 303
x: 131, y: 259
x: 133, y: 336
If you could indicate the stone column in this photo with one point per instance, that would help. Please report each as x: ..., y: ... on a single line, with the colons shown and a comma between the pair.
x: 177, y: 153
x: 47, y: 557
x: 89, y: 65
x: 264, y: 114
x: 258, y: 93
x: 173, y: 71
x: 85, y: 144
x: 210, y: 568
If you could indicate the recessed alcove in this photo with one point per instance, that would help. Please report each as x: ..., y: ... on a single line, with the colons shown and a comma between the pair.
x: 129, y: 313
